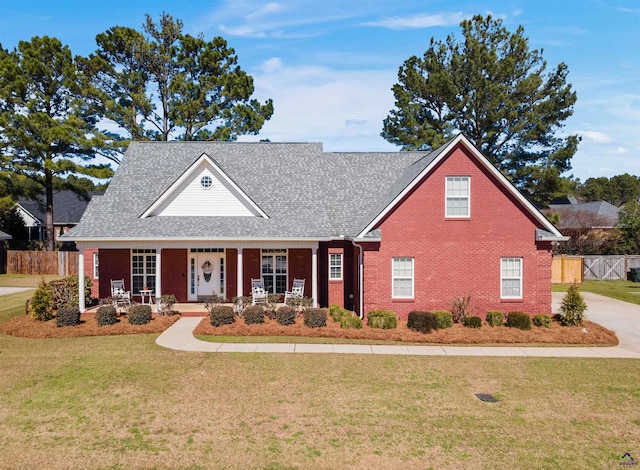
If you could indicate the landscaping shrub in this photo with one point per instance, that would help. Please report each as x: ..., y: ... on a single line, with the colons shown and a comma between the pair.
x: 253, y: 314
x: 286, y: 315
x: 384, y: 319
x: 273, y: 298
x: 423, y: 322
x: 572, y: 307
x: 213, y: 301
x: 139, y: 314
x: 495, y: 318
x: 542, y: 321
x: 270, y: 312
x: 68, y: 316
x: 65, y: 291
x: 337, y: 313
x: 472, y: 322
x: 106, y: 315
x: 444, y: 319
x: 519, y: 320
x: 40, y: 307
x: 315, y: 317
x: 221, y: 315
x: 461, y: 308
x: 166, y: 303
x: 350, y: 321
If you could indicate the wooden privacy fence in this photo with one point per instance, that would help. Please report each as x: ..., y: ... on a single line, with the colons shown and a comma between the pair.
x: 62, y: 263
x: 613, y: 267
x: 566, y: 270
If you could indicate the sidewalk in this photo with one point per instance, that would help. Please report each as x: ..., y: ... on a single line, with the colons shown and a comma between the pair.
x: 621, y: 317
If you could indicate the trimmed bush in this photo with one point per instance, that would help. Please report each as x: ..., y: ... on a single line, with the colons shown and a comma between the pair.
x: 166, y: 303
x: 315, y: 317
x: 253, y: 314
x: 444, y: 319
x: 106, y: 315
x: 495, y: 318
x: 40, y: 307
x: 519, y: 320
x: 423, y: 322
x: 384, y: 319
x: 572, y: 307
x: 286, y: 315
x: 337, y: 313
x: 472, y: 322
x: 542, y: 321
x: 139, y: 314
x: 221, y: 315
x: 64, y: 292
x: 347, y: 322
x: 68, y: 316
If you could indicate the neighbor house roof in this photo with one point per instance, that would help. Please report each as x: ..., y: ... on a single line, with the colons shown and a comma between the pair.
x: 303, y: 192
x: 5, y: 236
x: 68, y: 207
x: 594, y: 214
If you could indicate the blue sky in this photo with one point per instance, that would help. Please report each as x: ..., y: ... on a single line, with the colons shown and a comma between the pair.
x: 329, y: 65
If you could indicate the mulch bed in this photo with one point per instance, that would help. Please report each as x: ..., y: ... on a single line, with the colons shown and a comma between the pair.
x: 27, y: 327
x: 458, y: 334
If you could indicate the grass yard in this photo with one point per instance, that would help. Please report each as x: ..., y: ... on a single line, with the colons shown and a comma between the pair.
x: 123, y: 402
x: 621, y: 290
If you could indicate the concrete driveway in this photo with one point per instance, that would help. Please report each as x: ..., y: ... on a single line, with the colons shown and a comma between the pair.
x: 618, y: 316
x: 13, y: 290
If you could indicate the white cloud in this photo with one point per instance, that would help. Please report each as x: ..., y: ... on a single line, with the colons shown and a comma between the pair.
x: 595, y: 136
x: 420, y: 21
x: 266, y: 10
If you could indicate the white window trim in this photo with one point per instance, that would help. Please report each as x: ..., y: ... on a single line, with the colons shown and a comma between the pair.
x: 393, y: 278
x: 339, y: 278
x: 96, y: 266
x: 145, y: 274
x: 273, y: 253
x: 503, y: 277
x: 446, y: 198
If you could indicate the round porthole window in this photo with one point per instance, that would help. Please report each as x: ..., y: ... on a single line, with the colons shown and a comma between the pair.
x: 206, y: 182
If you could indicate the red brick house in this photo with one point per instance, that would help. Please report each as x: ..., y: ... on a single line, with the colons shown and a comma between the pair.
x: 400, y: 231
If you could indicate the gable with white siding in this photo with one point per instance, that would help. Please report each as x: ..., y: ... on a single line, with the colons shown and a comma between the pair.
x: 204, y: 190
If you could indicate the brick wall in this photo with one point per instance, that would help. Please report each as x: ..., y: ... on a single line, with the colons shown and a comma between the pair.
x: 459, y: 257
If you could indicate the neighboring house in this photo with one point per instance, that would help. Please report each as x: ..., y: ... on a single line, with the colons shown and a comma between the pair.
x: 3, y: 240
x: 402, y: 231
x: 68, y: 208
x: 585, y: 215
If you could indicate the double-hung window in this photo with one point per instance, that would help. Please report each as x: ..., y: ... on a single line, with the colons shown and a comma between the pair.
x: 511, y: 278
x: 274, y: 270
x: 335, y: 266
x: 96, y: 266
x: 143, y: 270
x: 402, y: 278
x: 457, y: 190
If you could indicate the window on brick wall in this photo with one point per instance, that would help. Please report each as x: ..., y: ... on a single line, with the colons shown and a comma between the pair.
x: 95, y: 266
x: 511, y: 278
x: 402, y: 278
x: 143, y: 270
x: 335, y: 266
x: 458, y: 195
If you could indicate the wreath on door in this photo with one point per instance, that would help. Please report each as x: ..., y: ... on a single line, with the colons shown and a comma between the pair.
x: 207, y: 269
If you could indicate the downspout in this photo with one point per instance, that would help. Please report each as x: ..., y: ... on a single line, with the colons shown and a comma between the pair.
x: 360, y: 278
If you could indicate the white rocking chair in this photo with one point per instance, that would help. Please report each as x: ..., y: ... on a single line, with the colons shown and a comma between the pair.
x: 120, y: 296
x: 258, y: 293
x: 297, y: 291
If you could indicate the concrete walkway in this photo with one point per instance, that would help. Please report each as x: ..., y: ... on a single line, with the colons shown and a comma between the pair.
x: 13, y: 290
x: 621, y: 317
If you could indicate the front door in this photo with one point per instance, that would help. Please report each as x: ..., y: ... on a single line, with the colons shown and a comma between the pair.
x: 207, y: 276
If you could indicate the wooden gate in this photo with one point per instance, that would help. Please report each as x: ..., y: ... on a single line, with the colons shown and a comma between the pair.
x: 605, y: 267
x: 566, y: 270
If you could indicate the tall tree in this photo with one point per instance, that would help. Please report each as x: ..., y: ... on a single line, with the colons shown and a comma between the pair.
x: 47, y: 127
x: 628, y: 226
x: 495, y: 90
x: 162, y: 84
x: 616, y: 190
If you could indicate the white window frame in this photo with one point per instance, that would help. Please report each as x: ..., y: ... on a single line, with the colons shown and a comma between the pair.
x: 149, y: 270
x: 505, y: 277
x: 274, y: 254
x: 395, y: 277
x: 96, y: 266
x: 449, y: 180
x: 335, y: 263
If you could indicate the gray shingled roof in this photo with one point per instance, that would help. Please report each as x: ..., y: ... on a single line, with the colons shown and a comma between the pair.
x: 593, y: 214
x: 68, y: 207
x: 307, y: 193
x: 5, y: 236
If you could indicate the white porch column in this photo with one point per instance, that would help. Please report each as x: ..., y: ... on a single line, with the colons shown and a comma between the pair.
x: 158, y: 276
x: 239, y: 287
x: 81, y: 298
x: 314, y: 276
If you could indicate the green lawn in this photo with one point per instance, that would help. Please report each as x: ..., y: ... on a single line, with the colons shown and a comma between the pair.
x: 621, y: 290
x: 123, y: 402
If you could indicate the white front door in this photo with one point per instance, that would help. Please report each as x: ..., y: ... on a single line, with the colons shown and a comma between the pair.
x: 207, y: 276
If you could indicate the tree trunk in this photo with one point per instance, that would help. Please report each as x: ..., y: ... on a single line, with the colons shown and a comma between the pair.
x: 48, y: 178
